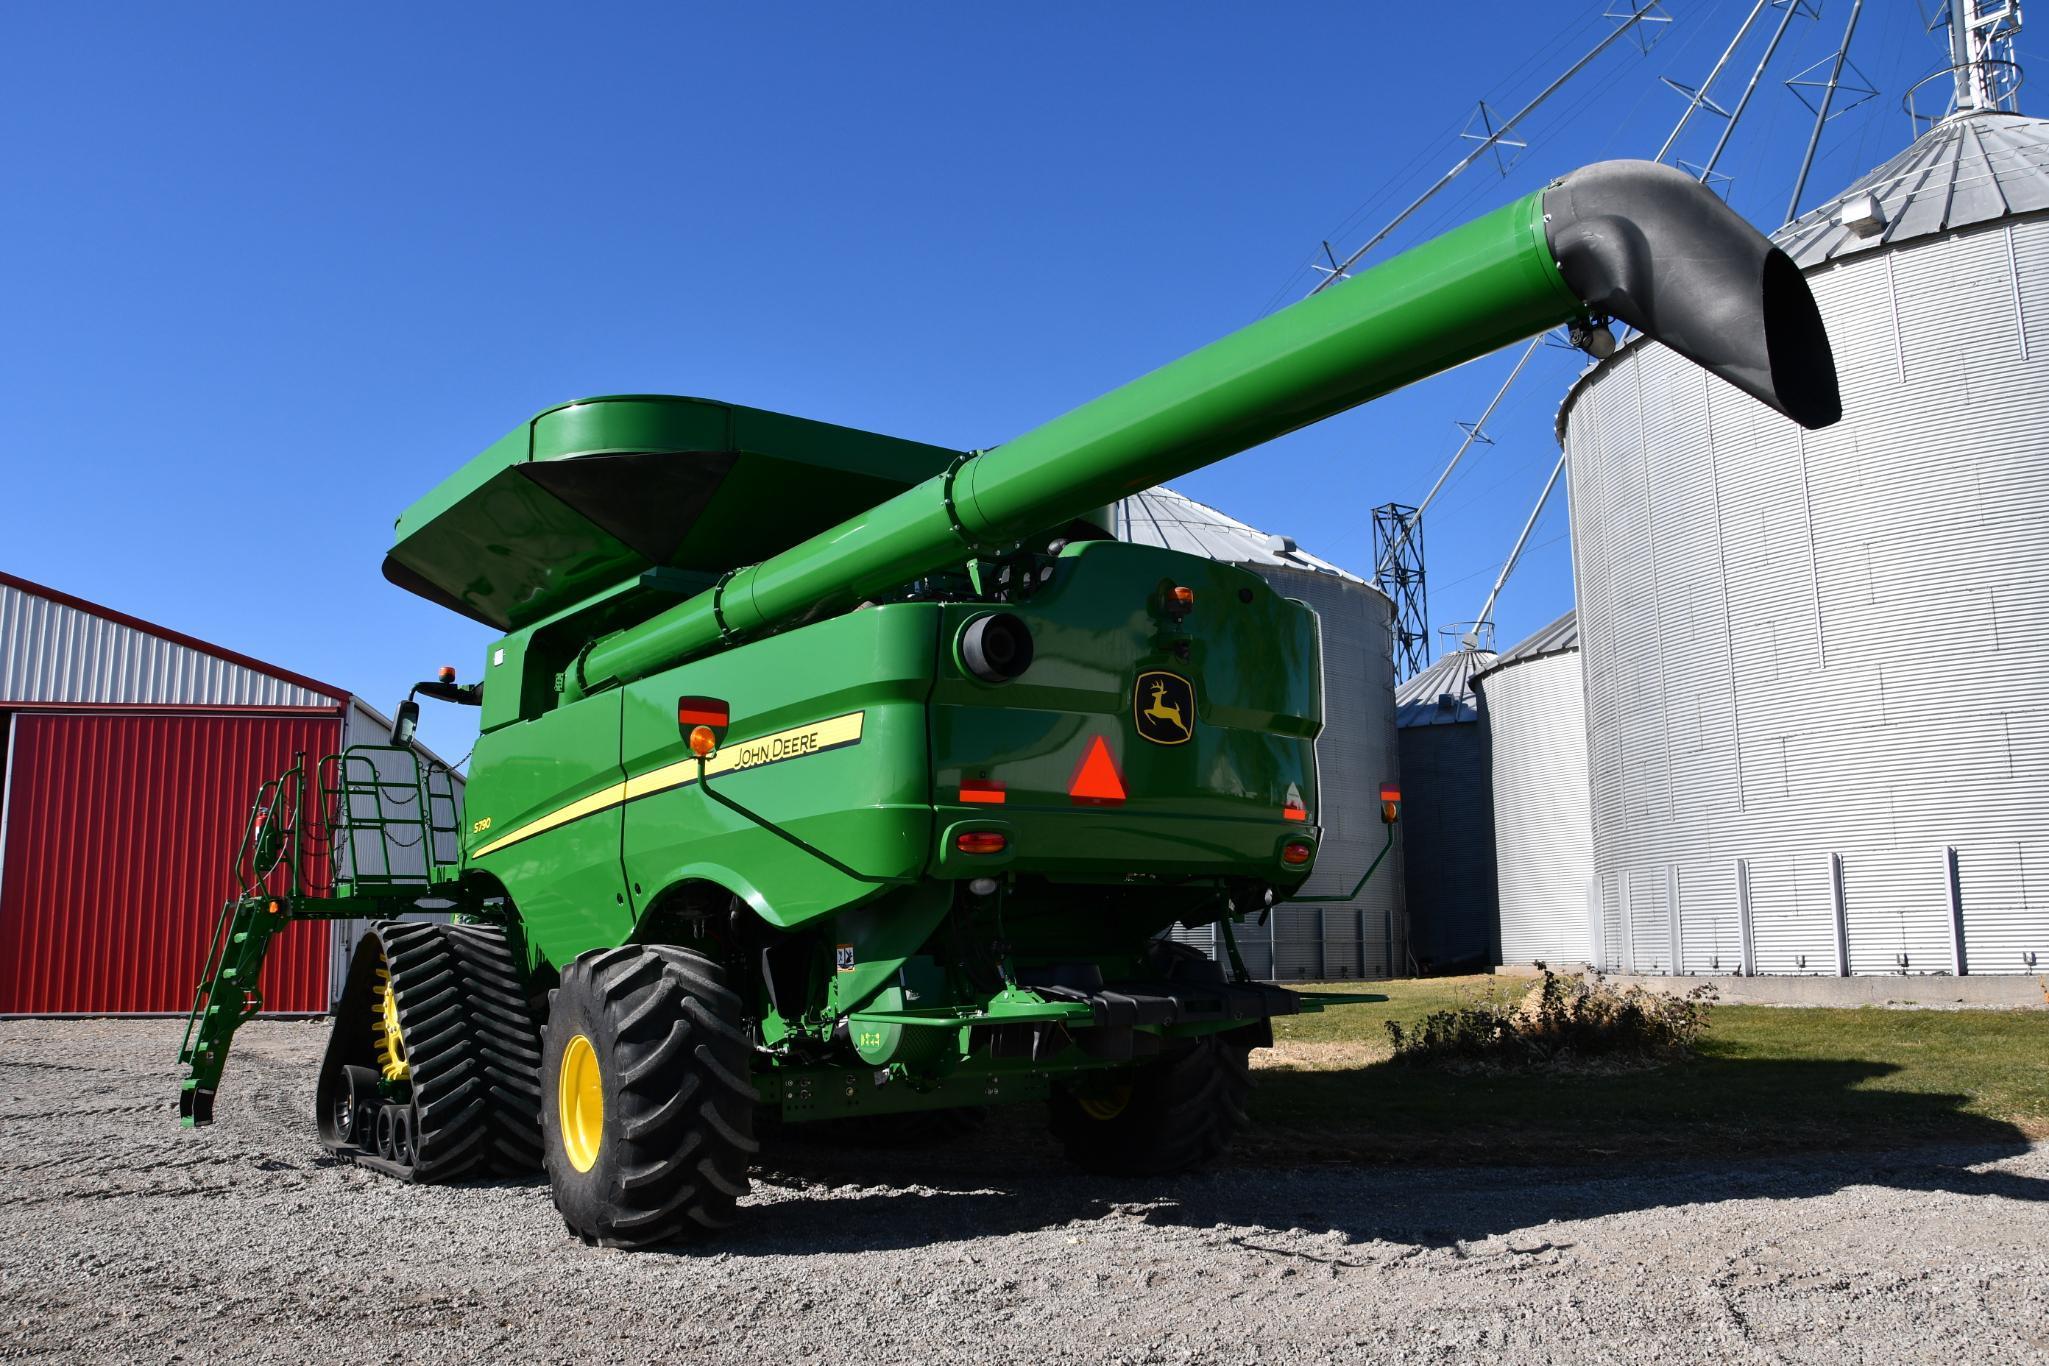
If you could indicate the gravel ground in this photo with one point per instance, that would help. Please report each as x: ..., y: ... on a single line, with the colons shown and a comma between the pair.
x: 123, y: 1238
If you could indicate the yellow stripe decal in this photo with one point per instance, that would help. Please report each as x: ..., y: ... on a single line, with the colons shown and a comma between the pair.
x: 799, y: 742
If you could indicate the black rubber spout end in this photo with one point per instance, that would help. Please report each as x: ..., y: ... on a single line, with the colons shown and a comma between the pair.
x: 1651, y: 246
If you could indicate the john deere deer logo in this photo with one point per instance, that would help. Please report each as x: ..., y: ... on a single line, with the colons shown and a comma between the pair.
x: 1163, y: 706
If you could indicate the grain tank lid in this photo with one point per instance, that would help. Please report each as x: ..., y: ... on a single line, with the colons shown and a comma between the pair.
x: 584, y: 495
x: 1442, y: 695
x: 1173, y: 521
x: 1968, y: 169
x: 1560, y: 637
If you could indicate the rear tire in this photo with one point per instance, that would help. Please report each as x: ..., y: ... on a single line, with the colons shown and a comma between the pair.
x: 647, y: 1112
x: 1172, y: 1114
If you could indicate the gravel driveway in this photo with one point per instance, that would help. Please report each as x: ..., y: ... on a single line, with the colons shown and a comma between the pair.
x: 123, y: 1238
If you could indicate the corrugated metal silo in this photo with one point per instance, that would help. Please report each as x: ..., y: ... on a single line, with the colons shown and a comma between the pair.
x: 1817, y: 663
x: 1367, y: 936
x: 1447, y: 816
x: 1533, y: 703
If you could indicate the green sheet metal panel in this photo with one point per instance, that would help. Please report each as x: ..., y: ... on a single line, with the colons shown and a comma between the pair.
x: 585, y: 494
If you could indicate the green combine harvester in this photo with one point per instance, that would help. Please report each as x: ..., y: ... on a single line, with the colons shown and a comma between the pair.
x: 826, y: 775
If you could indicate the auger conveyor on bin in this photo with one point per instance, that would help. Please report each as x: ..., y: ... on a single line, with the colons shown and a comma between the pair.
x: 846, y: 778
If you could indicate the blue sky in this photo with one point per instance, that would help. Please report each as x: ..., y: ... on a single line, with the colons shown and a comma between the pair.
x: 275, y: 270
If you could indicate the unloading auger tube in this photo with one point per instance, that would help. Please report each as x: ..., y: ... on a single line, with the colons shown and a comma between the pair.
x: 1631, y: 241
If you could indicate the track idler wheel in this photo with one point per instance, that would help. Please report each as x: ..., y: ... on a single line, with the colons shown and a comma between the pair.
x: 349, y: 1112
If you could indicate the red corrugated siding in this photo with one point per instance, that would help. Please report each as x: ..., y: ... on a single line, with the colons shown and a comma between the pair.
x: 121, y: 830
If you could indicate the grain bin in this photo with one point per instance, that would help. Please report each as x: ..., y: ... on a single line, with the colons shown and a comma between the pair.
x: 1533, y: 706
x: 1364, y: 937
x: 1816, y: 661
x: 1447, y: 816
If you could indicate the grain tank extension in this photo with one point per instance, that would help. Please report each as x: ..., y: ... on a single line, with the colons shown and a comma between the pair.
x: 825, y: 776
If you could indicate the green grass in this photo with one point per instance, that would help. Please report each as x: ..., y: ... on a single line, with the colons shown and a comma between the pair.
x: 1766, y: 1080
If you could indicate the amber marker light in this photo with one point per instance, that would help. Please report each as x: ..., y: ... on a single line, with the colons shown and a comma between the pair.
x: 981, y: 842
x: 446, y: 673
x: 703, y: 740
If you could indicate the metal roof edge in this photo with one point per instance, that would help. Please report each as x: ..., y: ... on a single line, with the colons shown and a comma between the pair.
x: 1533, y: 647
x: 221, y: 652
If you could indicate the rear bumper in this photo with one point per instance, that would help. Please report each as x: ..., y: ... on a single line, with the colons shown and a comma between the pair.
x: 1102, y: 844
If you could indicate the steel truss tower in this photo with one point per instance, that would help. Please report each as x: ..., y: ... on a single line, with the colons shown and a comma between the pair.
x: 1398, y: 572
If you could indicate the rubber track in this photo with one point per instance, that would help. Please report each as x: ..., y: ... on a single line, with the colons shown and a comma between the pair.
x: 474, y: 1050
x: 687, y: 1131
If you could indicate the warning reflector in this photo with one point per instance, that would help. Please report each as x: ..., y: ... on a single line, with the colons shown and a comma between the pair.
x: 1096, y: 781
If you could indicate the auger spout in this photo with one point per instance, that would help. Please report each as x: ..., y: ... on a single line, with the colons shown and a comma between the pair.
x: 1630, y: 240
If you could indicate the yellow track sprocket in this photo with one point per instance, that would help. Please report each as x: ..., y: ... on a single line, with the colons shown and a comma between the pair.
x: 385, y: 1032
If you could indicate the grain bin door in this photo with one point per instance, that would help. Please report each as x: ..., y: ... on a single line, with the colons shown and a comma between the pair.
x: 120, y: 833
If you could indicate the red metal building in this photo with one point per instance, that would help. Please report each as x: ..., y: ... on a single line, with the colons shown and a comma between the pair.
x: 129, y: 756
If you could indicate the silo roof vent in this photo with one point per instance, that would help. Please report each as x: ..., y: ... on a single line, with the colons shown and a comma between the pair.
x: 1862, y: 215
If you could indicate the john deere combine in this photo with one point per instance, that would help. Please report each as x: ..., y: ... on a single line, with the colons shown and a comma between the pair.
x: 824, y: 774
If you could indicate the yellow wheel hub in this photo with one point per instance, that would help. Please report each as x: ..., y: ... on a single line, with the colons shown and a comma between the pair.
x: 1107, y: 1103
x: 580, y: 1103
x: 385, y: 1031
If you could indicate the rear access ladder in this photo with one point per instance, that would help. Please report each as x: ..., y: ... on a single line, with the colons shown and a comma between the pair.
x: 366, y: 834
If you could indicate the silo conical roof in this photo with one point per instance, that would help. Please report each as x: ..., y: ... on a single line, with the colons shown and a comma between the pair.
x: 1442, y: 695
x: 1173, y: 521
x: 1970, y: 168
x: 1558, y: 637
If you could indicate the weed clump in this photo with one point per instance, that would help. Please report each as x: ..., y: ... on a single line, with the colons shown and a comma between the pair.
x: 1575, y: 1022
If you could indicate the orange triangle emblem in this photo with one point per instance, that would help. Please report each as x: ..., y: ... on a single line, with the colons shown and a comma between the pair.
x: 1096, y: 781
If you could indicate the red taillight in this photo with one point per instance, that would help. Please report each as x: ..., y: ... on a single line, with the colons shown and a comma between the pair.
x: 1296, y: 852
x: 702, y: 711
x: 981, y: 842
x: 1390, y: 803
x: 981, y: 791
